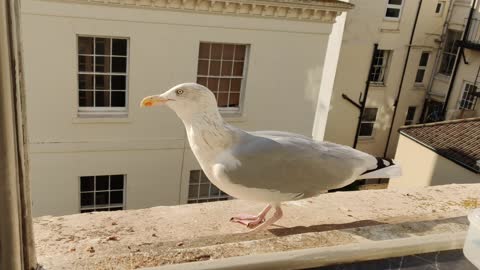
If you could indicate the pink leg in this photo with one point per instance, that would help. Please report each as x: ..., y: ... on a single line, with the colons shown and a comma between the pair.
x: 250, y: 220
x: 276, y: 216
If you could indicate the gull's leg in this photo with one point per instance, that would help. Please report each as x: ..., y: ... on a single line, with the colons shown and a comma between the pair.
x: 251, y: 220
x: 276, y: 216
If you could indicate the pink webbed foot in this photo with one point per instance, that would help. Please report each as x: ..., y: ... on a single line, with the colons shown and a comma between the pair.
x: 251, y: 221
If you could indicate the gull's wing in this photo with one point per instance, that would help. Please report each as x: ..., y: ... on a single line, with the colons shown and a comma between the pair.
x: 292, y: 163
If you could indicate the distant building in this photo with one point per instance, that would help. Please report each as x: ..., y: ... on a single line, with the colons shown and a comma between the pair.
x: 89, y: 63
x: 424, y: 69
x: 439, y: 153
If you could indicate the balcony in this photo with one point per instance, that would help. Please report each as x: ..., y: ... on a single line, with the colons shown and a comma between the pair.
x: 334, y: 228
x: 472, y: 40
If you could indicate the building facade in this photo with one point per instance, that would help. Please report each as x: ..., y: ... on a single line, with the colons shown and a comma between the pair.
x: 88, y: 64
x: 408, y: 74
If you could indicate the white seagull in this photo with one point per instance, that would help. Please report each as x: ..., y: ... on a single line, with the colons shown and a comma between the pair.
x: 264, y: 166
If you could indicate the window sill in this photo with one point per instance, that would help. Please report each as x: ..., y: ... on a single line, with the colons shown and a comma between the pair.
x: 377, y: 84
x: 347, y: 227
x: 88, y: 118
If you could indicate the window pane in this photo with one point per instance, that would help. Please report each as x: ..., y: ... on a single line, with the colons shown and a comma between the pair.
x: 240, y: 52
x: 102, y: 64
x: 214, y: 68
x: 85, y: 98
x: 204, y: 189
x: 86, y: 199
x: 102, y: 98
x: 438, y: 8
x: 86, y: 183
x: 119, y: 82
x: 411, y: 113
x: 85, y: 81
x: 119, y: 64
x: 202, y: 81
x: 194, y: 176
x: 102, y: 82
x: 224, y: 85
x: 204, y: 50
x: 222, y: 99
x: 101, y: 198
x: 420, y: 75
x: 236, y: 85
x: 214, y: 191
x: 395, y: 2
x: 86, y: 211
x: 101, y: 182
x: 227, y: 68
x: 366, y: 129
x: 85, y: 63
x: 213, y: 84
x: 228, y: 50
x: 370, y: 114
x: 216, y: 51
x: 116, y: 197
x: 202, y: 67
x: 85, y: 45
x: 118, y: 98
x: 116, y: 181
x: 424, y: 59
x: 116, y: 208
x: 234, y: 100
x: 102, y: 46
x: 193, y: 191
x: 392, y: 13
x: 119, y: 47
x: 238, y: 69
x: 204, y: 178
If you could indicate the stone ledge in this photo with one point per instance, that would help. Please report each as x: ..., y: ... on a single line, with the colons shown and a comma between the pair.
x: 377, y: 223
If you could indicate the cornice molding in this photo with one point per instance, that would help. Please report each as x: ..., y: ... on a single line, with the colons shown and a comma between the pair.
x: 300, y: 10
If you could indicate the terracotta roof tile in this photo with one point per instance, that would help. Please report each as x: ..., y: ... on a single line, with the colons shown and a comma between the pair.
x: 457, y: 140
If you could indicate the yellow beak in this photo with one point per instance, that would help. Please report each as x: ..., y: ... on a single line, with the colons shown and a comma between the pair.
x: 152, y: 101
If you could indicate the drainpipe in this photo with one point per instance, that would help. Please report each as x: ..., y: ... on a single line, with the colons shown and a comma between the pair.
x: 457, y: 62
x: 395, y: 105
x: 364, y: 100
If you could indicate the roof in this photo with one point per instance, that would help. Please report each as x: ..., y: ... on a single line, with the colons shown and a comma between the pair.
x: 456, y: 140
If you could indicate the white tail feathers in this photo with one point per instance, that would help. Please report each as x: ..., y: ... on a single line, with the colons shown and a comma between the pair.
x: 386, y: 168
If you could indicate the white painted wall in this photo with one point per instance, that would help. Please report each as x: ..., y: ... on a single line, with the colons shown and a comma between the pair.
x: 284, y: 74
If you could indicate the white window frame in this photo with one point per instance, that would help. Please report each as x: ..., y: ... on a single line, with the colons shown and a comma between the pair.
x: 410, y: 121
x: 229, y: 110
x: 94, y: 207
x: 394, y: 6
x: 368, y: 122
x: 103, y: 111
x: 467, y: 100
x: 387, y: 54
x: 221, y: 196
x: 442, y: 6
x: 420, y: 67
x: 451, y: 53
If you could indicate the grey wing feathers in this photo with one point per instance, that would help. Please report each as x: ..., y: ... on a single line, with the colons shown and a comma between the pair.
x: 292, y: 163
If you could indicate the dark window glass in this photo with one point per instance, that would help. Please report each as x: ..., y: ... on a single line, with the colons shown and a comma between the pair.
x: 86, y: 183
x: 116, y: 181
x: 366, y: 129
x: 119, y: 64
x: 420, y: 75
x: 85, y: 99
x: 85, y: 81
x: 101, y: 182
x: 101, y: 198
x: 395, y: 2
x: 119, y: 82
x: 424, y: 59
x: 86, y: 199
x: 102, y: 98
x: 392, y: 13
x: 85, y: 63
x: 116, y: 197
x: 118, y: 99
x: 85, y: 45
x: 119, y: 47
x: 102, y: 46
x: 370, y: 114
x: 102, y: 64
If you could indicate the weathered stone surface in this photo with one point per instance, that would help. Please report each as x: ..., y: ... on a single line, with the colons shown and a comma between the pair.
x: 177, y: 234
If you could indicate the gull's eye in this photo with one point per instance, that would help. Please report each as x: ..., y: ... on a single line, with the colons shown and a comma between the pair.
x: 179, y: 92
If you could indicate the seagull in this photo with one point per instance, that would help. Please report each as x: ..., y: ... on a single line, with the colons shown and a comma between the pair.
x: 264, y: 166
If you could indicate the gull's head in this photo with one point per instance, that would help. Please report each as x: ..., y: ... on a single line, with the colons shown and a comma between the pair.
x: 185, y: 99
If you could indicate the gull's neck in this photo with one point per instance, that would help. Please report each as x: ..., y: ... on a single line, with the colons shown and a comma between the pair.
x: 208, y: 134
